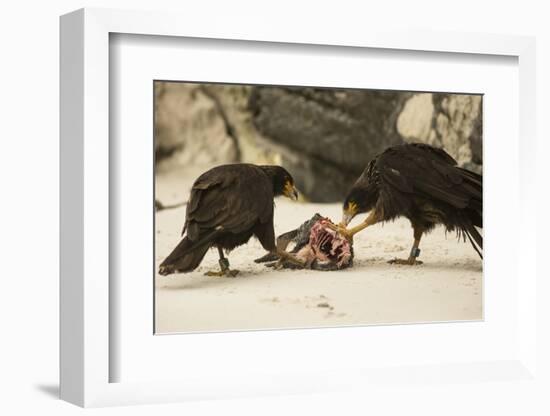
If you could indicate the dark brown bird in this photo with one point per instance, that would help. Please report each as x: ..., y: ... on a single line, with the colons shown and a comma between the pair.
x: 228, y: 205
x: 423, y: 184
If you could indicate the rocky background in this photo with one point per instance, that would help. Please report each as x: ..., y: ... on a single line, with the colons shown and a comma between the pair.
x: 324, y: 137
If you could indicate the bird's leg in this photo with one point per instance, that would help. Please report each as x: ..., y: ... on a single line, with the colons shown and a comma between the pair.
x: 224, y: 266
x: 415, y: 251
x: 286, y: 256
x: 350, y: 232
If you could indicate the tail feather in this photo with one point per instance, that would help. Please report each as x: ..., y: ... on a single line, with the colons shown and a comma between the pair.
x: 187, y: 255
x: 472, y: 176
x: 474, y: 236
x: 472, y: 217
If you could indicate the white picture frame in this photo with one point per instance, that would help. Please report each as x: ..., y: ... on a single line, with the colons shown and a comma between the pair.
x: 85, y: 168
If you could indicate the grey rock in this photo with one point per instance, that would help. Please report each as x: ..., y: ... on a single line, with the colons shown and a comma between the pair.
x: 324, y: 137
x: 327, y: 135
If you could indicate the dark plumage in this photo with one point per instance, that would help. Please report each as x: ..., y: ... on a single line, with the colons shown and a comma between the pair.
x: 228, y: 205
x: 424, y: 184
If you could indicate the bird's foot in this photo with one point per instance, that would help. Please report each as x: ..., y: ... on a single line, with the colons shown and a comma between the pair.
x: 286, y: 256
x: 284, y: 264
x: 411, y: 261
x: 342, y: 230
x: 225, y: 271
x: 269, y: 257
x: 279, y: 264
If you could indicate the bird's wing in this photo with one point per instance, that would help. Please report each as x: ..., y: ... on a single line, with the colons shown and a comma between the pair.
x: 232, y: 199
x: 427, y: 172
x: 435, y: 152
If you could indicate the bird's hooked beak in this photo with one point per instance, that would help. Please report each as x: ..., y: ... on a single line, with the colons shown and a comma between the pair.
x: 290, y: 191
x: 350, y: 210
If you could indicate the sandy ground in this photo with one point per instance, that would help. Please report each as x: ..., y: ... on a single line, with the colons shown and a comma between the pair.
x: 447, y: 287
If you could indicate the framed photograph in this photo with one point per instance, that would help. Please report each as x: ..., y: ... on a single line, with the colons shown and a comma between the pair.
x: 273, y: 212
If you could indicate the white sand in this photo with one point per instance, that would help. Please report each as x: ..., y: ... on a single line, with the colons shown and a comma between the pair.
x: 447, y: 287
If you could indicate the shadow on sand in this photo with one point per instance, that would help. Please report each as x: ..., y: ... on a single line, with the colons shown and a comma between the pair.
x: 51, y: 390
